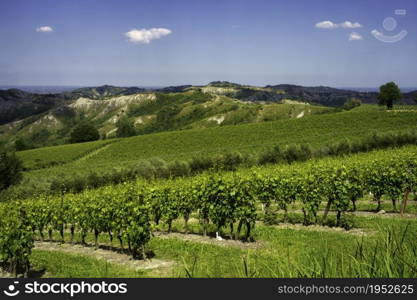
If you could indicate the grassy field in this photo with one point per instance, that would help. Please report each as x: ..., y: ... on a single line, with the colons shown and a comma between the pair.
x: 317, y: 130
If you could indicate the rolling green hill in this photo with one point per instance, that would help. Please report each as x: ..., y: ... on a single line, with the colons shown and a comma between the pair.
x: 316, y: 130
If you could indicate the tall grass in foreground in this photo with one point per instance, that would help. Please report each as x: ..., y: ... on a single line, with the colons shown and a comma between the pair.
x: 393, y: 254
x: 390, y: 250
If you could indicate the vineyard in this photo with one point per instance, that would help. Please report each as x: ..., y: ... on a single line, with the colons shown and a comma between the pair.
x: 113, y: 161
x: 229, y: 203
x: 316, y: 130
x: 57, y: 155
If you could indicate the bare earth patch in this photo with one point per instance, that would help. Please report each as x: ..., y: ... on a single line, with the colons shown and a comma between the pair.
x: 107, y: 255
x: 208, y: 240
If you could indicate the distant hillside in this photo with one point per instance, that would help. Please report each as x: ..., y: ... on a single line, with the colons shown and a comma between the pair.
x: 16, y: 104
x: 102, y: 92
x: 324, y: 95
x: 321, y: 95
x: 411, y: 97
x: 47, y: 119
x: 174, y: 89
x: 149, y: 112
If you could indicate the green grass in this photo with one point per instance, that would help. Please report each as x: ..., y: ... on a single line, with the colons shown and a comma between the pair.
x: 64, y: 265
x: 388, y: 250
x: 294, y: 253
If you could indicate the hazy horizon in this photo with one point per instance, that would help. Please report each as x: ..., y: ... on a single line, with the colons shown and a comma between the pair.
x: 43, y: 89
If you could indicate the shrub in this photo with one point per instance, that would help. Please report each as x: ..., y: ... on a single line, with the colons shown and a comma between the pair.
x: 125, y: 128
x: 10, y: 170
x: 57, y: 185
x: 271, y: 156
x: 77, y: 184
x: 161, y: 167
x: 200, y: 163
x: 117, y: 176
x: 93, y: 180
x: 291, y: 153
x: 228, y: 161
x: 231, y: 160
x: 341, y: 148
x: 306, y: 152
x: 20, y: 144
x: 145, y: 169
x: 179, y: 168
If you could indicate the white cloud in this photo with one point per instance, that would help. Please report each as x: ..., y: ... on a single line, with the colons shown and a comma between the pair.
x: 348, y: 24
x: 355, y: 37
x: 376, y: 33
x: 145, y: 36
x: 331, y: 25
x: 44, y: 29
x: 326, y: 25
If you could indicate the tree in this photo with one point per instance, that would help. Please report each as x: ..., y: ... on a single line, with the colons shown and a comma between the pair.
x: 84, y: 132
x: 125, y: 128
x: 10, y: 170
x: 388, y: 93
x: 20, y: 144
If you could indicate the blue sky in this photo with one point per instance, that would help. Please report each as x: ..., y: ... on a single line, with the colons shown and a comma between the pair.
x: 85, y: 42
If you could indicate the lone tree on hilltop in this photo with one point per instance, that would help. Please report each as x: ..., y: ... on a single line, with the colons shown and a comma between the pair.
x: 388, y: 93
x: 84, y: 132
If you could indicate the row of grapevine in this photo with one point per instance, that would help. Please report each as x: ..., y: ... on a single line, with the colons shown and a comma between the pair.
x: 119, y: 211
x: 228, y: 198
x: 337, y: 186
x: 16, y: 240
x: 52, y: 156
